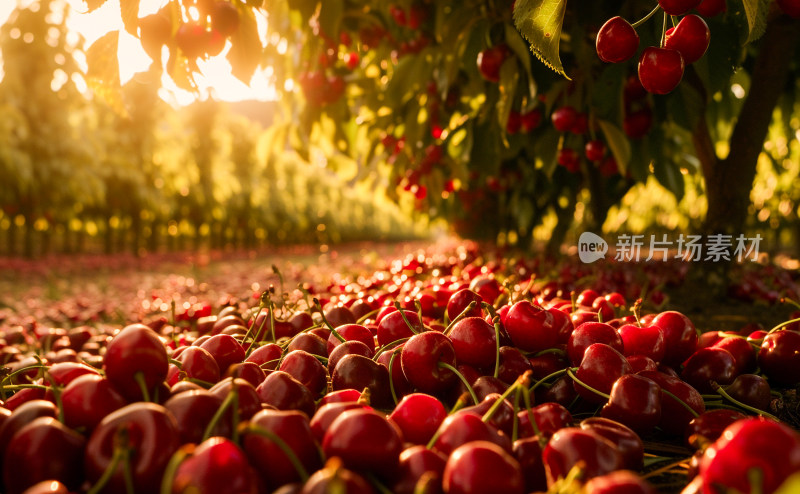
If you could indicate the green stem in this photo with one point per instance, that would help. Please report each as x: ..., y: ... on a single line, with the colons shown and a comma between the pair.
x: 541, y: 381
x: 581, y: 383
x: 463, y: 379
x: 664, y: 30
x: 683, y: 403
x: 388, y: 346
x: 405, y: 319
x: 391, y: 378
x: 251, y: 428
x: 779, y: 326
x: 172, y: 467
x: 328, y: 324
x: 736, y: 402
x: 459, y: 317
x: 497, y: 347
x: 646, y: 18
x: 229, y: 400
x: 139, y: 378
x: 526, y: 396
x: 522, y: 381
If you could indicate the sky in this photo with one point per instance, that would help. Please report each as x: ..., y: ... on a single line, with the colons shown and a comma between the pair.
x: 132, y: 58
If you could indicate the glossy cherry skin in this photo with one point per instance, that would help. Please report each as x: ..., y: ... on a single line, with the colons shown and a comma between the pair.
x: 136, y: 349
x: 690, y: 37
x: 44, y: 449
x: 365, y: 440
x: 674, y: 416
x: 474, y: 342
x: 512, y: 364
x: 307, y: 369
x: 284, y: 392
x: 327, y: 413
x: 63, y: 373
x: 47, y: 487
x: 644, y: 340
x: 482, y: 467
x: 619, y: 482
x: 357, y: 332
x: 198, y: 363
x: 247, y: 397
x: 709, y: 364
x: 225, y: 349
x: 531, y: 328
x: 24, y: 414
x: 87, y: 400
x: 348, y: 347
x: 563, y: 118
x: 636, y: 402
x: 779, y: 358
x: 678, y: 7
x: 528, y: 452
x: 309, y: 342
x: 359, y: 372
x: 601, y: 366
x: 743, y: 353
x: 748, y: 444
x: 418, y: 415
x: 641, y: 363
x: 589, y: 333
x: 617, y: 41
x: 751, y: 389
x: 503, y: 417
x: 460, y: 300
x: 152, y: 435
x: 660, y: 69
x: 490, y: 60
x: 549, y: 417
x: 269, y: 461
x: 627, y: 442
x: 461, y: 428
x: 680, y: 336
x: 340, y: 315
x: 193, y: 411
x: 266, y: 356
x: 415, y: 462
x: 571, y: 446
x: 709, y: 425
x: 393, y: 327
x: 215, y: 465
x: 420, y: 359
x: 248, y: 371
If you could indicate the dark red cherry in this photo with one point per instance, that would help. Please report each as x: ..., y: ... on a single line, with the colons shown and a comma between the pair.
x: 482, y: 467
x: 709, y: 364
x: 636, y: 402
x: 779, y: 357
x: 531, y: 328
x: 600, y: 368
x: 307, y: 369
x: 421, y: 360
x: 365, y: 440
x: 215, y: 465
x: 87, y: 400
x: 690, y: 37
x: 617, y: 41
x: 752, y: 390
x: 709, y: 425
x: 572, y: 446
x: 460, y: 300
x: 193, y: 411
x: 644, y: 340
x: 358, y: 372
x: 589, y: 333
x: 474, y: 342
x: 284, y: 392
x: 620, y: 481
x: 418, y: 415
x: 743, y: 353
x: 678, y: 7
x: 415, y: 462
x: 627, y: 442
x: 135, y: 351
x: 660, y: 69
x: 680, y: 336
x: 674, y: 414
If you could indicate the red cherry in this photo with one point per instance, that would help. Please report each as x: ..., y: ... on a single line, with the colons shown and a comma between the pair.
x: 198, y: 363
x: 621, y: 481
x: 635, y: 401
x: 307, y: 369
x: 790, y: 8
x: 569, y: 159
x: 752, y: 390
x: 359, y: 372
x: 215, y: 465
x: 627, y: 442
x: 415, y: 462
x: 563, y: 118
x: 690, y: 37
x: 418, y: 415
x: 393, y: 327
x: 617, y: 41
x: 742, y: 352
x: 531, y: 328
x: 680, y: 336
x: 474, y: 341
x: 528, y: 452
x: 421, y: 357
x: 460, y: 300
x: 710, y: 424
x: 711, y: 8
x: 660, y: 69
x: 531, y: 120
x: 491, y: 60
x: 461, y: 428
x: 88, y: 399
x: 779, y: 357
x: 678, y: 7
x: 550, y: 417
x: 572, y: 446
x: 588, y: 333
x: 193, y: 411
x: 674, y: 415
x: 600, y: 368
x: 637, y: 124
x: 365, y: 440
x: 482, y: 467
x: 225, y: 18
x: 136, y: 350
x: 647, y: 341
x: 192, y: 39
x: 284, y: 392
x: 595, y: 150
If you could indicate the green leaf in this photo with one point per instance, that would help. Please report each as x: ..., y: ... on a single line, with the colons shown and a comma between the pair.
x: 509, y: 79
x: 756, y: 12
x: 103, y: 73
x: 246, y: 49
x: 618, y: 143
x: 540, y: 22
x: 669, y: 175
x: 330, y: 17
x: 129, y: 10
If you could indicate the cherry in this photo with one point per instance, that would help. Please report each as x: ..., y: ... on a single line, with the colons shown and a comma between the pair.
x: 47, y: 487
x: 490, y: 60
x: 307, y: 369
x: 569, y: 159
x: 326, y: 414
x: 674, y: 415
x: 215, y: 465
x: 690, y: 37
x: 660, y: 69
x: 348, y: 347
x: 474, y: 341
x: 266, y: 356
x: 359, y: 372
x: 549, y: 417
x: 711, y: 8
x: 268, y: 458
x: 192, y: 39
x: 365, y: 440
x: 572, y: 446
x: 393, y: 327
x: 530, y: 328
x: 309, y: 342
x: 460, y: 300
x: 198, y: 363
x: 563, y: 118
x: 678, y: 7
x: 709, y: 425
x: 43, y: 449
x: 646, y: 340
x: 247, y: 398
x: 636, y: 402
x: 225, y: 349
x: 779, y: 357
x: 617, y: 41
x: 637, y: 124
x: 63, y: 373
x: 641, y: 363
x: 461, y: 428
x: 225, y: 18
x: 487, y: 287
x: 752, y: 390
x: 339, y: 316
x: 248, y: 371
x: 742, y: 351
x: 589, y: 333
x: 627, y: 442
x: 135, y: 355
x: 581, y: 125
x: 601, y: 366
x: 709, y: 364
x: 155, y: 31
x: 300, y: 321
x: 512, y: 364
x: 531, y: 120
x: 340, y: 396
x: 482, y: 467
x: 87, y: 399
x: 355, y: 332
x: 680, y: 336
x: 421, y: 360
x: 595, y: 150
x: 621, y: 481
x: 193, y: 411
x: 562, y: 391
x: 419, y: 416
x: 751, y: 455
x: 149, y: 434
x: 415, y: 462
x: 502, y: 418
x: 528, y: 452
x: 790, y: 8
x: 284, y: 392
x: 335, y: 478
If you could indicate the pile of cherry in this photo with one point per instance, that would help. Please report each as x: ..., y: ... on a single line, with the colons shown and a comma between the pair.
x: 435, y: 376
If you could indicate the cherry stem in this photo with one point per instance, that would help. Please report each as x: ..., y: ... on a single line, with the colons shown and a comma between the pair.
x: 405, y: 319
x: 418, y: 306
x: 20, y: 371
x: 459, y: 317
x: 428, y: 482
x: 172, y: 468
x: 139, y: 378
x: 460, y: 403
x: 526, y: 396
x: 391, y: 378
x: 497, y: 347
x: 388, y: 346
x: 781, y: 325
x: 664, y: 30
x: 463, y: 379
x: 790, y: 301
x: 573, y: 298
x: 377, y: 484
x: 279, y: 274
x: 664, y: 469
x: 121, y: 454
x: 721, y: 391
x: 367, y: 316
x: 231, y: 400
x: 251, y: 428
x: 515, y: 426
x: 637, y: 311
x: 547, y: 377
x: 683, y: 403
x: 645, y: 18
x: 593, y: 390
x: 522, y: 380
x: 554, y: 350
x: 325, y: 321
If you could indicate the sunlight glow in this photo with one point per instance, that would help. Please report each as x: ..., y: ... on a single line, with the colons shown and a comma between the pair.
x: 215, y: 81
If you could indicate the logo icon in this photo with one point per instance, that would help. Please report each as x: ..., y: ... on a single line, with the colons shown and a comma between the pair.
x: 591, y: 247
